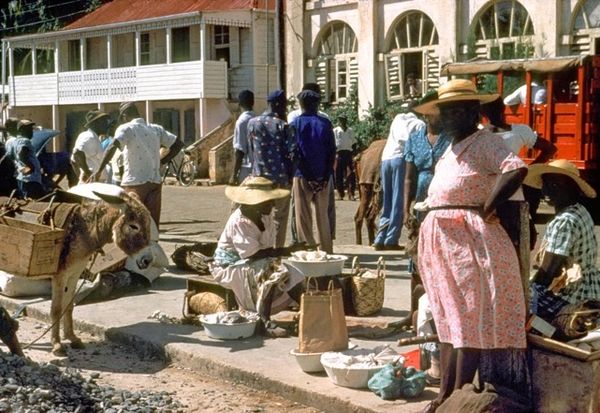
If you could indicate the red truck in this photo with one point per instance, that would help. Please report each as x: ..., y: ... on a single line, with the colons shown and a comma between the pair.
x: 570, y: 115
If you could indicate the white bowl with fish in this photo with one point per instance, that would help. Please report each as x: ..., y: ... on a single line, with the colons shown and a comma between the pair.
x: 229, y: 325
x: 317, y: 263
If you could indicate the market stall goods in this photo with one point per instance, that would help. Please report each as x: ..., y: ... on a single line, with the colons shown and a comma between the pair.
x: 354, y: 368
x: 230, y: 325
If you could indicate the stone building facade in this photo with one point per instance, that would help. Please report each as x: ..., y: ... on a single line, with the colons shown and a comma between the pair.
x: 373, y: 45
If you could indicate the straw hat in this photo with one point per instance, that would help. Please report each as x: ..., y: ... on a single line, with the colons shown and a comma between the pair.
x: 456, y: 90
x: 92, y: 116
x: 559, y: 166
x: 255, y: 190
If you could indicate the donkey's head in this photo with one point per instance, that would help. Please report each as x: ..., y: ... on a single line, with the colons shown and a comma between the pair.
x: 131, y: 231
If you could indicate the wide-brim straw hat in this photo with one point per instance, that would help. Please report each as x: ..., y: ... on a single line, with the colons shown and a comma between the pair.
x: 559, y: 166
x: 456, y: 90
x: 255, y: 190
x: 94, y: 115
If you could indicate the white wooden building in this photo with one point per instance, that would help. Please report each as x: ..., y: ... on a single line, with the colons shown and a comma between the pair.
x: 183, y: 61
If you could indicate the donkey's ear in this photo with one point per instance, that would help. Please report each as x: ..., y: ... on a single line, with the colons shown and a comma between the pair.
x: 111, y: 199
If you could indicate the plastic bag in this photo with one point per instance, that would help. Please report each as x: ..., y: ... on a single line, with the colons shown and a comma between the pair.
x: 395, y: 381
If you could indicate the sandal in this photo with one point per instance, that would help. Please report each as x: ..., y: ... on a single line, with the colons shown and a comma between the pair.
x: 431, y: 407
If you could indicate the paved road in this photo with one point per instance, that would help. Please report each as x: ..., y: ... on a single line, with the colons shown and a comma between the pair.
x: 200, y: 213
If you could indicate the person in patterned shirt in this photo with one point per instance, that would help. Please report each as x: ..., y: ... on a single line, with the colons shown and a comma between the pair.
x: 273, y: 148
x: 569, y: 239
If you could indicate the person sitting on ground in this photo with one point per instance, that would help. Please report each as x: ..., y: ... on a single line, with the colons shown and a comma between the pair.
x: 569, y: 240
x: 517, y: 136
x: 87, y: 151
x: 345, y: 143
x: 29, y: 171
x: 246, y: 260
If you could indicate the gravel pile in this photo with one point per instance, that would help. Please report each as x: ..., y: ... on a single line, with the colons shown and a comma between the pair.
x: 26, y: 386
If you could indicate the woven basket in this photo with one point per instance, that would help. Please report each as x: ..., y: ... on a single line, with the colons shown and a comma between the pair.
x: 368, y: 289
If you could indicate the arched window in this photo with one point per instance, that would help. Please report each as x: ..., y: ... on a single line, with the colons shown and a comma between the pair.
x: 586, y: 27
x: 412, y: 44
x: 336, y: 63
x: 503, y: 31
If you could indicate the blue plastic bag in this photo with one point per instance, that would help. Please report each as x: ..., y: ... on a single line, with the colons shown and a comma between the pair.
x: 395, y: 381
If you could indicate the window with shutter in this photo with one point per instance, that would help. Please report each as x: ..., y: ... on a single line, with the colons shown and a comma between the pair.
x: 336, y: 68
x: 411, y: 54
x: 503, y: 31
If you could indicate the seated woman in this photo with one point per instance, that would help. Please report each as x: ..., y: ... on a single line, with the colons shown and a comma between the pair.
x: 245, y: 259
x: 569, y: 239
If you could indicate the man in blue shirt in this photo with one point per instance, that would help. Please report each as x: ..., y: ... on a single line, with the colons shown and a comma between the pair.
x: 272, y: 148
x: 243, y: 156
x: 313, y: 178
x: 29, y: 171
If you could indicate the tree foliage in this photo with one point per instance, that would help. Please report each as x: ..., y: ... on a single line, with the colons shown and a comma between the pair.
x: 375, y: 122
x: 19, y: 17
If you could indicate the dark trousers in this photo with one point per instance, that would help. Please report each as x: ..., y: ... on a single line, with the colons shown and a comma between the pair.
x: 150, y: 194
x: 344, y: 174
x: 33, y: 190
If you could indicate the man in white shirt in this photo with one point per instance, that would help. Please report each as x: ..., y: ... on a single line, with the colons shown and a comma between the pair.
x: 344, y: 146
x: 392, y: 180
x: 538, y: 95
x: 243, y: 156
x: 140, y: 143
x: 87, y: 152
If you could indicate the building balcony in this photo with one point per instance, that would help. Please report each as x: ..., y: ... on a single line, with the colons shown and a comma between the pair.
x: 186, y: 80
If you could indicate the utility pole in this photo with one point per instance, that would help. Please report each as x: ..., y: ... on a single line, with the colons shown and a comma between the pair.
x: 279, y: 44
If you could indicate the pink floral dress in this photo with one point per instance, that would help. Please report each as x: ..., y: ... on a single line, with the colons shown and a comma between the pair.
x: 468, y: 266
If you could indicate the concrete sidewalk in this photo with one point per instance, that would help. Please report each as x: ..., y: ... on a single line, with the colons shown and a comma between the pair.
x: 257, y: 362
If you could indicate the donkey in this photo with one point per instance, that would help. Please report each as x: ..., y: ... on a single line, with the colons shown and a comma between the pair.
x: 89, y: 226
x: 367, y: 170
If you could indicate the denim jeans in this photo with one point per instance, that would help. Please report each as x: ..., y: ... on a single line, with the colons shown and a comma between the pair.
x: 392, y: 183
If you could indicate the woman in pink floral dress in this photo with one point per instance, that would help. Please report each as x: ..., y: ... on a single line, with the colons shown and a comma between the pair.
x: 468, y: 264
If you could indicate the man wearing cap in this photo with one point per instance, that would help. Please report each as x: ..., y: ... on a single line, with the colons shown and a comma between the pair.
x: 272, y: 149
x: 313, y: 178
x: 29, y: 171
x: 140, y: 143
x: 243, y: 157
x: 331, y: 212
x: 87, y: 151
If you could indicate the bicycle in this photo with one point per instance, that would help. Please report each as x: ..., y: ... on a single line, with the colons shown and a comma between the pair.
x: 181, y: 167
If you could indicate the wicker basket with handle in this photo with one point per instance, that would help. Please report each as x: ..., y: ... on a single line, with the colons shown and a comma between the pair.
x: 368, y: 288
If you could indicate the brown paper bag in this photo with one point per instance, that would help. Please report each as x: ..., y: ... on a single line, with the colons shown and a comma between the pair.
x: 322, y: 320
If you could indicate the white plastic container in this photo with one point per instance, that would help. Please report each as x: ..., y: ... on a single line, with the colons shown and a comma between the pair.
x: 333, y: 266
x: 227, y: 331
x: 308, y: 362
x: 355, y: 377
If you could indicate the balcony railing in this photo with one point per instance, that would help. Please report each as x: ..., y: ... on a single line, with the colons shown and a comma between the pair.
x: 187, y: 80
